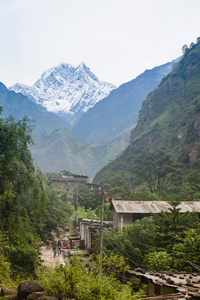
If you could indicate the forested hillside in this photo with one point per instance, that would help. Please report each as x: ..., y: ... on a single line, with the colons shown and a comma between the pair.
x: 164, y: 145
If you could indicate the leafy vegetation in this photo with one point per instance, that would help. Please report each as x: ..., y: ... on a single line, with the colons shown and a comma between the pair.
x: 91, y: 279
x: 168, y: 242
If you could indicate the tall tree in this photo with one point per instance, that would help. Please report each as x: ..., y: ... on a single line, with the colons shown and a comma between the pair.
x: 157, y: 169
x: 170, y: 226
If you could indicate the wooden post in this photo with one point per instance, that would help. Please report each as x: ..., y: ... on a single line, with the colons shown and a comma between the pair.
x: 102, y: 215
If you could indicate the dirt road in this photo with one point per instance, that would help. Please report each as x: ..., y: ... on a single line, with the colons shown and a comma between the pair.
x: 48, y: 258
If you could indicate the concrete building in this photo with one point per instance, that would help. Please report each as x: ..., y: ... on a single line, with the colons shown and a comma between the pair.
x: 89, y: 230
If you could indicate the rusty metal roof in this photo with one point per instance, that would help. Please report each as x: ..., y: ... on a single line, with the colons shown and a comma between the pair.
x: 177, y: 280
x: 146, y: 207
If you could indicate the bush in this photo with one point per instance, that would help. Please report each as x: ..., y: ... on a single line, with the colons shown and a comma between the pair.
x: 5, y: 273
x: 160, y: 261
x: 82, y: 280
x: 23, y: 259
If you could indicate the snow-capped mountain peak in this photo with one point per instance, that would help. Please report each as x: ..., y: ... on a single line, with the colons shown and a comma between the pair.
x: 65, y: 89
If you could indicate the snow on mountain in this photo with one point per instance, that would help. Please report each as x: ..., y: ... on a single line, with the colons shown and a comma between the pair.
x: 66, y: 90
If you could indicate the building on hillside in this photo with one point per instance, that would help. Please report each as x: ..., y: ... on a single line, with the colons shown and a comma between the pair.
x: 94, y: 187
x: 68, y: 182
x: 89, y: 230
x: 126, y: 212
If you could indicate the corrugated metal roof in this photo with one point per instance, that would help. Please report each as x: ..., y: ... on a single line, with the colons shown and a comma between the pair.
x: 146, y: 207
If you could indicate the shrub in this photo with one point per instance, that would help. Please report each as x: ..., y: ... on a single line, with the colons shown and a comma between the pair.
x: 81, y: 280
x: 23, y: 258
x: 160, y: 260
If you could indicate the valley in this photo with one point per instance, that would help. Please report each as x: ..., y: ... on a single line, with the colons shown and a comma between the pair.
x: 76, y: 124
x: 99, y: 150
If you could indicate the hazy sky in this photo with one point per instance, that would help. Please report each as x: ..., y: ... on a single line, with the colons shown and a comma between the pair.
x: 117, y: 39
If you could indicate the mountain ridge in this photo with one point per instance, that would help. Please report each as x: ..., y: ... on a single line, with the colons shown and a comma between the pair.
x: 66, y: 90
x: 55, y: 147
x: 120, y: 108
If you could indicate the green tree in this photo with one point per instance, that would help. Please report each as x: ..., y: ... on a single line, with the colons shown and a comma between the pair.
x: 87, y: 198
x: 79, y: 280
x: 186, y: 254
x: 157, y: 169
x: 192, y: 185
x: 170, y: 226
x: 22, y: 195
x: 158, y: 260
x: 133, y: 242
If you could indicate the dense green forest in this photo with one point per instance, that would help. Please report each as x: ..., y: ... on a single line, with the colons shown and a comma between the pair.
x: 28, y: 211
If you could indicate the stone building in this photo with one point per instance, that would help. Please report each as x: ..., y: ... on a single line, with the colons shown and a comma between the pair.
x: 68, y: 182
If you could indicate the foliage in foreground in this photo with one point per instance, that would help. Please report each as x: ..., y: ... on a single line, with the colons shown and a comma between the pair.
x: 86, y: 280
x: 5, y: 272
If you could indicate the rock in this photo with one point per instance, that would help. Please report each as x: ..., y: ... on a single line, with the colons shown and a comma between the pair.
x: 8, y: 292
x: 179, y: 284
x: 40, y: 295
x: 151, y: 273
x: 194, y: 290
x: 170, y: 281
x: 12, y: 298
x: 140, y: 270
x: 28, y: 287
x: 196, y: 296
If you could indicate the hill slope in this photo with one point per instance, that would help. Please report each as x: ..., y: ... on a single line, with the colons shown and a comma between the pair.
x: 18, y: 106
x: 61, y: 151
x: 56, y: 149
x: 120, y: 109
x: 169, y: 118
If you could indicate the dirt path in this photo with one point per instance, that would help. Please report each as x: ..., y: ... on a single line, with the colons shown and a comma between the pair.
x: 48, y: 259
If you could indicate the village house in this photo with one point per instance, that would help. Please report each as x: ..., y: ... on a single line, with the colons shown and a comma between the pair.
x: 89, y: 230
x: 94, y: 187
x: 126, y: 212
x: 168, y: 285
x: 68, y: 182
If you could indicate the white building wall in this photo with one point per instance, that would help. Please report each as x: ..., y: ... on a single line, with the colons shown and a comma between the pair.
x: 115, y: 219
x: 128, y: 219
